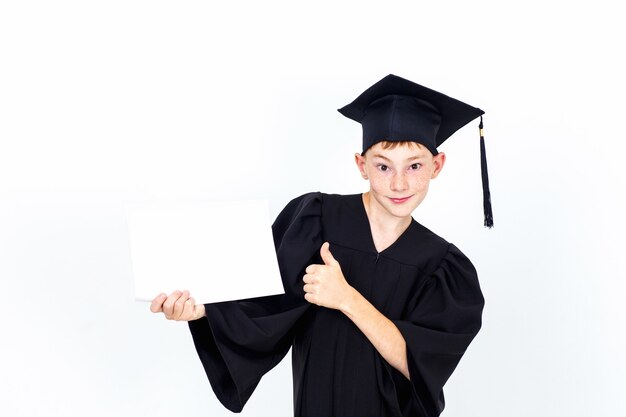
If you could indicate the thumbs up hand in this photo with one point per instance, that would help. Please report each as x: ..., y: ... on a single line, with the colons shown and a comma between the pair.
x: 325, y: 285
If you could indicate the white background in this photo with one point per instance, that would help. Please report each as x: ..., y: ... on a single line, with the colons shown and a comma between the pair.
x: 106, y: 101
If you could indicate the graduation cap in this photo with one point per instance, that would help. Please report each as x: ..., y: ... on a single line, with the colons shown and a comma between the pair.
x: 395, y: 109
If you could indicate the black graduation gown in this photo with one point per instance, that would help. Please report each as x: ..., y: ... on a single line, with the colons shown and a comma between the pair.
x: 424, y: 284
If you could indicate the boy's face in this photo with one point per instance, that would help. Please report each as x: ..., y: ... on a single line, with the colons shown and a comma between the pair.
x: 399, y: 177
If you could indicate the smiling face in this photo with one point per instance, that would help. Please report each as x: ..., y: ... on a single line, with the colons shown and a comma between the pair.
x: 398, y: 177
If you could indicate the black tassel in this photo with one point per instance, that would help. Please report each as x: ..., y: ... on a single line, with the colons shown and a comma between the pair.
x: 483, y: 168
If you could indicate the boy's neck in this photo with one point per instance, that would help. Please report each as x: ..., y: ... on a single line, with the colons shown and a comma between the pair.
x: 381, y: 220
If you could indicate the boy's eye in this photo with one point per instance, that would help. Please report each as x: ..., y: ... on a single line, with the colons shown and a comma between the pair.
x: 382, y: 167
x: 415, y: 166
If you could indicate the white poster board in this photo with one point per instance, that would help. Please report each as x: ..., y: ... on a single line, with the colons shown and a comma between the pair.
x: 218, y: 250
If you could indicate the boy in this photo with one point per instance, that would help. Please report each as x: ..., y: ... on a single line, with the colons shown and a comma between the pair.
x: 378, y: 310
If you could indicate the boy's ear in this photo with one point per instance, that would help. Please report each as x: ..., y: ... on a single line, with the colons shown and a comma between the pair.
x: 360, y: 163
x: 438, y: 161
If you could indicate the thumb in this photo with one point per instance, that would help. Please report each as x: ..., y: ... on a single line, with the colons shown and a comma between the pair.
x: 327, y: 257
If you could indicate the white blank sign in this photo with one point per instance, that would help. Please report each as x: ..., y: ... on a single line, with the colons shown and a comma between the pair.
x: 218, y: 250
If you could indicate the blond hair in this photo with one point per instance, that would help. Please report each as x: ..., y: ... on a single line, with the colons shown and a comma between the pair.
x: 392, y: 145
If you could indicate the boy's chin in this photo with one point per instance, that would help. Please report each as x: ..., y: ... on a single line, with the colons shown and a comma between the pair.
x: 402, y: 210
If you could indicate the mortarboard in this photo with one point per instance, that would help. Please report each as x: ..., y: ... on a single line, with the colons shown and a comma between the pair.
x: 395, y: 109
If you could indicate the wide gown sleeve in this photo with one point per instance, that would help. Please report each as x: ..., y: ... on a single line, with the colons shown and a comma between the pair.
x: 444, y: 318
x: 239, y: 341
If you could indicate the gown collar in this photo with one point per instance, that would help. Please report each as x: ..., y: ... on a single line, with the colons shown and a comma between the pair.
x: 402, y: 249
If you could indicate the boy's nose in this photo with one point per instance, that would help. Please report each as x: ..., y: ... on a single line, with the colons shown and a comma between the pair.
x: 399, y: 182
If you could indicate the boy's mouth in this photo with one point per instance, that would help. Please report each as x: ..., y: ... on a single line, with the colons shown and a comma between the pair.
x: 399, y: 200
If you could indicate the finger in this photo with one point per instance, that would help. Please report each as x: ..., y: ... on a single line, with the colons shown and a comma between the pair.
x: 308, y: 288
x: 309, y: 279
x: 310, y: 298
x: 327, y: 257
x: 188, y: 308
x: 180, y: 304
x: 157, y: 304
x: 311, y: 268
x: 168, y: 305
